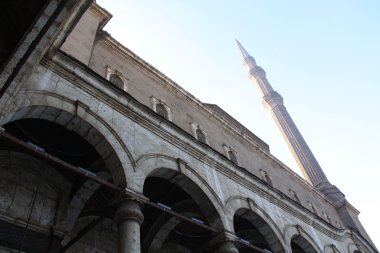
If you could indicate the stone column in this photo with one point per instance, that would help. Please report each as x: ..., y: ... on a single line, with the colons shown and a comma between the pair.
x: 129, y: 218
x: 224, y: 243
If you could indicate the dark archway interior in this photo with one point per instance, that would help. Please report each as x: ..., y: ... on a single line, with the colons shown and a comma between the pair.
x: 246, y: 230
x: 56, y: 140
x: 68, y: 146
x: 182, y: 234
x: 301, y: 245
x: 296, y: 248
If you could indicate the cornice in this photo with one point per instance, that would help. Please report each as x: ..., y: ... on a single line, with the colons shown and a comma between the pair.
x: 101, y: 13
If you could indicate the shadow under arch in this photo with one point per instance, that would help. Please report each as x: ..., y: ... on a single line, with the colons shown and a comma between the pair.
x: 79, y: 139
x: 33, y: 194
x: 300, y: 241
x: 253, y: 224
x: 160, y: 165
x: 182, y: 192
x: 98, y: 137
x: 181, y: 174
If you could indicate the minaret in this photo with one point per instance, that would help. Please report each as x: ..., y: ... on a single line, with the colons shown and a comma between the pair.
x: 305, y: 159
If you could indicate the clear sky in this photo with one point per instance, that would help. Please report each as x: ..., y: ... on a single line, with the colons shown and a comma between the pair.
x: 322, y: 56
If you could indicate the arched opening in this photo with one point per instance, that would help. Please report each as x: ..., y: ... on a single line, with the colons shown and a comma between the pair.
x: 161, y: 232
x: 43, y: 203
x: 250, y: 227
x: 300, y: 245
x: 116, y: 80
x: 268, y: 179
x: 200, y: 135
x: 232, y: 156
x: 161, y: 110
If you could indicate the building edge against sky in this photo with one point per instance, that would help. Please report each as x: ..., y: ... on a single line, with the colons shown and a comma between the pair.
x: 347, y: 213
x: 150, y: 129
x: 331, y: 190
x: 324, y: 68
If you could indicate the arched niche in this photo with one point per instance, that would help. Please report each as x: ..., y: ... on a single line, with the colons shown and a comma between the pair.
x: 299, y: 244
x: 299, y: 240
x: 252, y: 228
x: 41, y: 120
x: 162, y: 232
x: 46, y: 209
x: 253, y: 224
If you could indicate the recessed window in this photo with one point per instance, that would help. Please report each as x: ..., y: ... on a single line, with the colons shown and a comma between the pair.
x: 116, y: 80
x: 268, y: 179
x: 326, y: 217
x: 265, y: 176
x: 232, y: 156
x: 312, y: 207
x: 161, y: 110
x: 294, y: 196
x: 200, y: 135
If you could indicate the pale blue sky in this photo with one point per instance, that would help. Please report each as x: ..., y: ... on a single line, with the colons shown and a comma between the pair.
x: 322, y: 56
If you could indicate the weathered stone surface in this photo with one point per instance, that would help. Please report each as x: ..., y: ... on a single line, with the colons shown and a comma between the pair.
x: 136, y: 145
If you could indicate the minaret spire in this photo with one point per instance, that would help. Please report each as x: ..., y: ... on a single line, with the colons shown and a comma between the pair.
x: 305, y: 159
x: 244, y: 53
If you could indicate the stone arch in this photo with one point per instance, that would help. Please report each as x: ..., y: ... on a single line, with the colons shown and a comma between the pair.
x: 296, y: 234
x: 238, y: 205
x: 183, y: 175
x: 184, y: 191
x: 78, y: 118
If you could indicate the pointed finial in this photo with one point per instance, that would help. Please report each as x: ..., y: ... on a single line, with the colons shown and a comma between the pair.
x: 244, y: 53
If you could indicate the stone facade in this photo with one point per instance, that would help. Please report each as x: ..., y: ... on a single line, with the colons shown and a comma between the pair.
x: 89, y: 164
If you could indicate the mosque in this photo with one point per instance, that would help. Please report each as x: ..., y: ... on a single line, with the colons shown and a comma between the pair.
x: 101, y: 152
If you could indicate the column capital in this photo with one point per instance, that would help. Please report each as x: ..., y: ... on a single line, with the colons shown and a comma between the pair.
x: 129, y: 206
x: 224, y: 243
x: 129, y: 209
x: 129, y: 194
